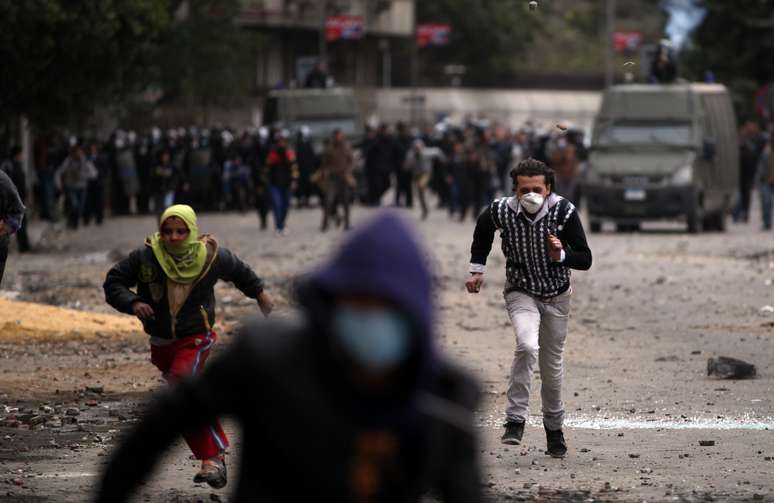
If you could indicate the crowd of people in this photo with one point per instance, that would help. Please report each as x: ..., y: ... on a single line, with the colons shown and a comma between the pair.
x: 79, y: 181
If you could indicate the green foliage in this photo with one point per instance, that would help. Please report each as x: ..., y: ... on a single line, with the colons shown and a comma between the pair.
x: 61, y: 59
x: 206, y: 59
x: 735, y: 42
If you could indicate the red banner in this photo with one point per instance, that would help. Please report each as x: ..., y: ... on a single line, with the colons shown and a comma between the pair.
x: 344, y: 28
x: 434, y: 35
x: 627, y: 40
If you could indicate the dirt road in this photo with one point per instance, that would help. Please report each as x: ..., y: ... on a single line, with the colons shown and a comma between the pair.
x: 654, y: 308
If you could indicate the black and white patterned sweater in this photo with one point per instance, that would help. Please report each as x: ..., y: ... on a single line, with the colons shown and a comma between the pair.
x: 529, y: 267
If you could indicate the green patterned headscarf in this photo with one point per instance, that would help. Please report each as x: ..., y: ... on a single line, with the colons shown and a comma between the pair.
x: 184, y: 261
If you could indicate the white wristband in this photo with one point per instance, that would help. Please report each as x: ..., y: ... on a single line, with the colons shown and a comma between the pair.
x: 477, y: 268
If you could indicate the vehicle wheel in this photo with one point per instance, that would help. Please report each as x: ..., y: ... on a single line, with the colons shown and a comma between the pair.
x: 595, y: 226
x: 695, y: 219
x: 628, y: 227
x: 715, y: 221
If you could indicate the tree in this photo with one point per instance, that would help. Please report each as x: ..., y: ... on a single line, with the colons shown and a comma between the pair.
x: 62, y: 59
x: 735, y: 43
x: 487, y: 35
x: 207, y: 59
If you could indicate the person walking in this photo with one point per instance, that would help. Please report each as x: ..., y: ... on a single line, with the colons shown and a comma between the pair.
x: 282, y: 174
x: 15, y: 171
x: 336, y: 180
x: 72, y: 178
x: 542, y: 240
x: 392, y: 417
x: 419, y: 163
x: 749, y: 151
x: 11, y: 216
x: 765, y: 178
x: 175, y: 274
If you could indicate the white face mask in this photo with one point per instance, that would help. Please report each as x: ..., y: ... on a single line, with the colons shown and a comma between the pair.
x: 532, y: 202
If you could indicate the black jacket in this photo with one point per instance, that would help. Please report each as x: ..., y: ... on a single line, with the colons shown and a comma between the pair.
x: 141, y: 269
x: 307, y: 433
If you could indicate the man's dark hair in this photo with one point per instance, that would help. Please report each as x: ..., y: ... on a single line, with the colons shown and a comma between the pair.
x: 533, y: 167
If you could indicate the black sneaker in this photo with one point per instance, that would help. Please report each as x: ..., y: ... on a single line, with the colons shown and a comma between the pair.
x: 557, y: 448
x: 514, y: 430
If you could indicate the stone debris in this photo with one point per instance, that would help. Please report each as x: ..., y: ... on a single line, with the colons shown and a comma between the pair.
x: 730, y: 368
x: 706, y: 443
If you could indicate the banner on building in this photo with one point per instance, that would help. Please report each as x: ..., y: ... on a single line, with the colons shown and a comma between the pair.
x: 344, y: 28
x: 627, y: 40
x: 433, y: 35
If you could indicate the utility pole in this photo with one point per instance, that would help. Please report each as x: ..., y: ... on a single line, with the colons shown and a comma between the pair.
x: 414, y: 66
x: 609, y: 32
x: 323, y: 51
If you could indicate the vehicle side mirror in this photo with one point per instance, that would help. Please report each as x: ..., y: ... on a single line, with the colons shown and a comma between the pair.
x: 709, y: 150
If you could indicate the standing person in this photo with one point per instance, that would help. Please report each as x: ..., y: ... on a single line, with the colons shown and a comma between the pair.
x: 457, y: 179
x: 283, y: 174
x: 380, y: 163
x: 165, y: 180
x: 307, y: 164
x: 175, y: 275
x: 419, y: 163
x: 564, y: 162
x: 11, y: 216
x: 257, y: 160
x: 72, y: 178
x: 403, y: 176
x: 543, y: 239
x: 336, y: 180
x: 749, y: 150
x: 393, y: 419
x: 766, y: 180
x: 95, y: 188
x: 15, y: 171
x: 502, y: 149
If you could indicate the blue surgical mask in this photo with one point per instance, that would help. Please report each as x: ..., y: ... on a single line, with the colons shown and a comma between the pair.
x: 378, y: 339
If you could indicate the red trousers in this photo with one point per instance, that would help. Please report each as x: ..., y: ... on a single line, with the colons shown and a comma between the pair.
x: 182, y: 359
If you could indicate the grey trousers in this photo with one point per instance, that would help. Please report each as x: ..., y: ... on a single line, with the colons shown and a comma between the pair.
x: 541, y: 329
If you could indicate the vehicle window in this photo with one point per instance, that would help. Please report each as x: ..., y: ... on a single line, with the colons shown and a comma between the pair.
x: 662, y: 134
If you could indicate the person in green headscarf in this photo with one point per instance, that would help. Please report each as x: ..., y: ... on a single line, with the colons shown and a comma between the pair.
x: 175, y: 275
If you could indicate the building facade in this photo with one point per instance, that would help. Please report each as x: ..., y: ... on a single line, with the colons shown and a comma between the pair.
x: 296, y: 39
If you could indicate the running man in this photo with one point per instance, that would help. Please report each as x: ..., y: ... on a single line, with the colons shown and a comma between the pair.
x: 542, y: 240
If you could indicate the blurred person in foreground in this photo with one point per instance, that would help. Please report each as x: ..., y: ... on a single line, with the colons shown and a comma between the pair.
x: 11, y: 215
x: 542, y: 240
x: 351, y: 402
x: 175, y: 275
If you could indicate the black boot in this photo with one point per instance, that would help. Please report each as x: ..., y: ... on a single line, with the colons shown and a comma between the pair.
x: 514, y: 430
x: 557, y: 448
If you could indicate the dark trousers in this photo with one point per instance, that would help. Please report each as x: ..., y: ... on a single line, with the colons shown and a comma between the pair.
x: 403, y: 190
x: 22, y: 238
x: 94, y: 206
x: 338, y: 194
x: 262, y: 204
x: 76, y: 200
x: 4, y: 242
